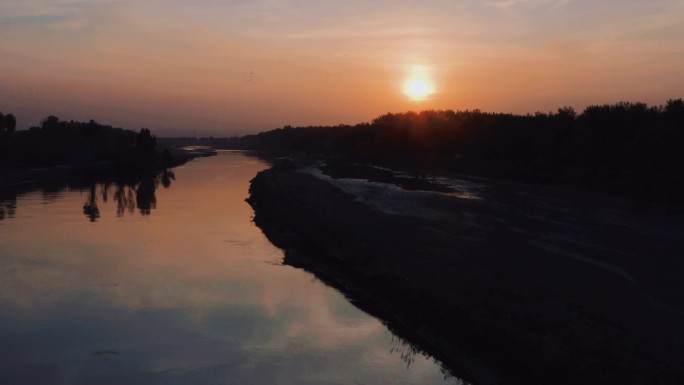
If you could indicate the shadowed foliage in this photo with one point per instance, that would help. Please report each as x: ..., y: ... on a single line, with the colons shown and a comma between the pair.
x: 627, y: 148
x: 62, y: 143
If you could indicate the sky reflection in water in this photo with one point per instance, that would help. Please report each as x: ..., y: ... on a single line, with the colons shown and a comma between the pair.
x: 191, y: 293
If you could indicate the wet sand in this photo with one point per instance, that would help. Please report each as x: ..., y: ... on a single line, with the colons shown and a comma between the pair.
x: 508, y: 283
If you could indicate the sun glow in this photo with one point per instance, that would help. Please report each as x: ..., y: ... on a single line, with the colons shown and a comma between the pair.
x: 418, y: 85
x: 417, y: 89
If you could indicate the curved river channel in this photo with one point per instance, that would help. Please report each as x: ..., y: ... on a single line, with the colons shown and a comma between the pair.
x: 168, y: 281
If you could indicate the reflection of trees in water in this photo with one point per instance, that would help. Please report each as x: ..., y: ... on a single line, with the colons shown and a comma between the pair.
x: 90, y: 208
x: 408, y: 353
x: 128, y: 196
x: 166, y: 177
x: 145, y: 196
x: 125, y: 199
x: 8, y: 204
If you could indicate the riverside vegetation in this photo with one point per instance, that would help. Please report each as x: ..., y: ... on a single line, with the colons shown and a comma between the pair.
x: 628, y: 148
x: 570, y: 277
x: 58, y: 150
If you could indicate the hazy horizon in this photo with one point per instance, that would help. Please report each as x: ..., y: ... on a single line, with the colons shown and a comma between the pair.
x: 224, y: 68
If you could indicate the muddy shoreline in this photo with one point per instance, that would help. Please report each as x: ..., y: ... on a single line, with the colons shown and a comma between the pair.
x: 493, y: 289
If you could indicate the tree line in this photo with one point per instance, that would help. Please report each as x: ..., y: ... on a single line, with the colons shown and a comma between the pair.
x: 625, y: 147
x: 68, y: 143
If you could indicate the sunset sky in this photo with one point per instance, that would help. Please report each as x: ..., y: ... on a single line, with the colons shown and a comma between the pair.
x: 232, y: 67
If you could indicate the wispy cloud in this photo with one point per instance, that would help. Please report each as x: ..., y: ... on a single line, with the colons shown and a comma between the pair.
x: 560, y: 4
x: 44, y: 16
x: 505, y: 3
x: 364, y: 32
x: 548, y: 4
x: 196, y: 52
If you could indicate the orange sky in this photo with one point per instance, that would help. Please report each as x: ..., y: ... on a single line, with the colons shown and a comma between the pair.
x: 231, y: 67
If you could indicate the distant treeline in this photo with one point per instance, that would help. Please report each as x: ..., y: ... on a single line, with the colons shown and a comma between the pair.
x: 77, y: 144
x: 210, y: 141
x: 625, y: 147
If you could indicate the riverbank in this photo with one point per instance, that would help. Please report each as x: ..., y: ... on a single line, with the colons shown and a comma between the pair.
x: 509, y: 283
x: 23, y: 176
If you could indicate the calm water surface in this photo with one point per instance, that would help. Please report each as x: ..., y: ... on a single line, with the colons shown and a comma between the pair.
x: 175, y: 286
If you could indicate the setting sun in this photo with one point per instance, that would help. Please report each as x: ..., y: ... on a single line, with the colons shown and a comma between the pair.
x: 418, y: 85
x: 417, y: 89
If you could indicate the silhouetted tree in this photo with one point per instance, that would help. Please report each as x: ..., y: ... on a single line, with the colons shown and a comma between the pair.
x: 50, y: 123
x: 10, y: 123
x: 628, y: 148
x: 166, y: 158
x: 567, y: 113
x: 145, y: 144
x: 72, y: 143
x: 674, y: 109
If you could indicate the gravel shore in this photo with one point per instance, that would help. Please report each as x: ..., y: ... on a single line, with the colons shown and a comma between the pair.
x: 505, y: 284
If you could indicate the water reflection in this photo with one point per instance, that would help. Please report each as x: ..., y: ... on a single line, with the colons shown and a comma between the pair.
x: 192, y: 294
x: 128, y: 194
x: 90, y: 208
x: 8, y: 204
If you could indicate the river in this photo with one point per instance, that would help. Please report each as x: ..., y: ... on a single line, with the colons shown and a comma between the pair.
x: 148, y: 284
